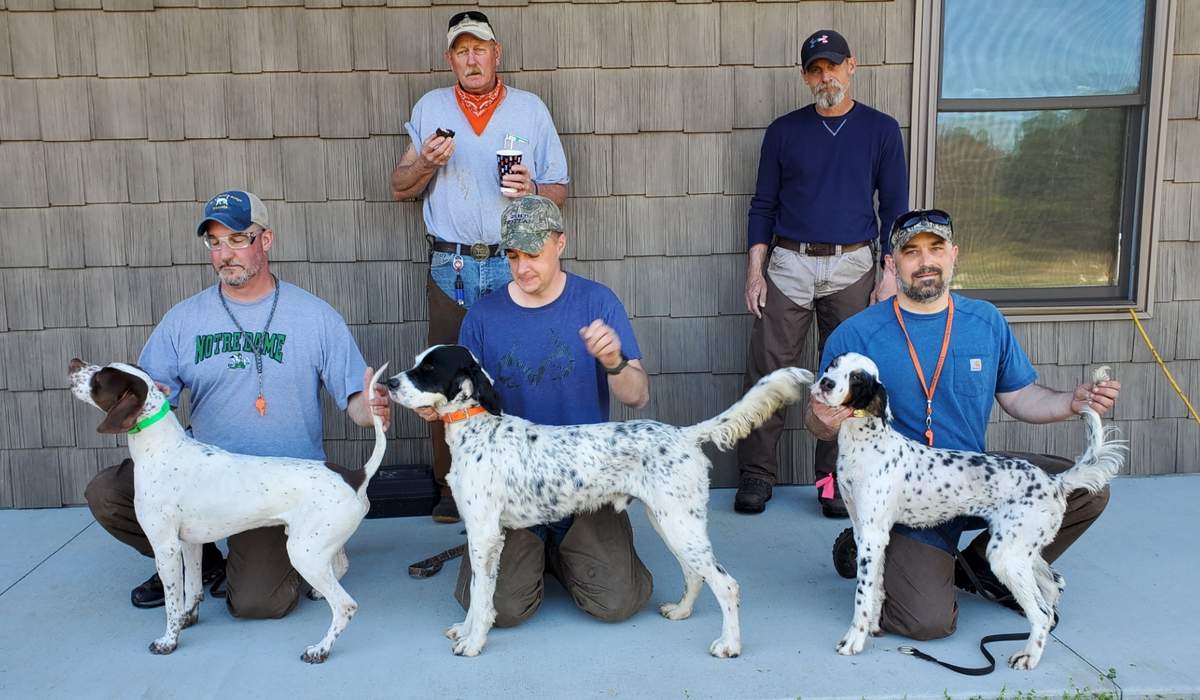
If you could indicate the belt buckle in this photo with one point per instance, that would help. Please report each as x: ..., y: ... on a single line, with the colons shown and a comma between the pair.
x: 480, y: 251
x: 820, y: 250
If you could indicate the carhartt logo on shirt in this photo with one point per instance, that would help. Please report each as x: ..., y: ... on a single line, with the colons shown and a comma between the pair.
x: 976, y: 364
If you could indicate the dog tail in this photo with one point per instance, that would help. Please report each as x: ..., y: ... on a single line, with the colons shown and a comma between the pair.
x: 1100, y: 462
x: 376, y: 458
x: 772, y: 392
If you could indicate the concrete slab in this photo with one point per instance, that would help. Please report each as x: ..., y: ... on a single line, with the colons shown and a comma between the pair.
x: 71, y: 631
x: 29, y: 536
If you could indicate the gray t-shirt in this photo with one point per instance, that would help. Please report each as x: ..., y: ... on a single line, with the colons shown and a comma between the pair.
x: 308, y: 345
x: 463, y: 200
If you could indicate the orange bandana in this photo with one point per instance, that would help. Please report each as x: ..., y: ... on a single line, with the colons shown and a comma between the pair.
x: 478, y: 109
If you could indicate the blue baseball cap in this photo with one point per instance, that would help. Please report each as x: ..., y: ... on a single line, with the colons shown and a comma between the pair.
x: 236, y: 209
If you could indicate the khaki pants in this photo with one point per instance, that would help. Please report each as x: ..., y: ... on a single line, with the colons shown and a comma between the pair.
x: 260, y: 580
x: 596, y: 563
x: 837, y: 288
x: 918, y: 578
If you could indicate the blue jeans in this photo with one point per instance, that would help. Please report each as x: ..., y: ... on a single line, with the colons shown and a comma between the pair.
x: 479, y: 277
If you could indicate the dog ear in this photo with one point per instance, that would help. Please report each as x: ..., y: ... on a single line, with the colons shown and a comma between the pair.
x: 125, y: 393
x: 483, y: 391
x: 879, y: 405
x: 864, y: 392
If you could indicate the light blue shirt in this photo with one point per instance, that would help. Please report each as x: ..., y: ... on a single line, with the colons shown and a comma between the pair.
x: 463, y: 200
x: 308, y: 346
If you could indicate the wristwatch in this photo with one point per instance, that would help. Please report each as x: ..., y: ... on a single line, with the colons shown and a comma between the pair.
x: 619, y: 367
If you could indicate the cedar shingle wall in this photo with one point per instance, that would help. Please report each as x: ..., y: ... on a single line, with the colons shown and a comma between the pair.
x: 118, y: 117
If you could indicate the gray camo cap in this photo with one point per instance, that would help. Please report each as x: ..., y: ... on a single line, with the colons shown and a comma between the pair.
x: 528, y: 222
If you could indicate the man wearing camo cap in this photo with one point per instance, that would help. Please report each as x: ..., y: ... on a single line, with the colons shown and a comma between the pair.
x: 557, y: 345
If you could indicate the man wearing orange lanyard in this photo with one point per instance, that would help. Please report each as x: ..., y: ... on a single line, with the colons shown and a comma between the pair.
x: 943, y: 358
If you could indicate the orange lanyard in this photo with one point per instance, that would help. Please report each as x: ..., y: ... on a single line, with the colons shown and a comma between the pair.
x: 937, y: 373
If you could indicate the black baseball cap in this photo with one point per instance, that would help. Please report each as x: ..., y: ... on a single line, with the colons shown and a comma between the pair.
x: 827, y: 44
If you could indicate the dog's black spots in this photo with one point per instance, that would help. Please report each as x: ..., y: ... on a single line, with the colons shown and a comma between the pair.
x: 479, y: 457
x: 533, y: 437
x: 662, y: 450
x: 721, y: 570
x: 353, y: 477
x: 509, y: 429
x: 947, y: 461
x: 976, y: 460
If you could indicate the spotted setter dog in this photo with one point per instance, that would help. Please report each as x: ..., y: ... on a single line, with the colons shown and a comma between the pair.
x: 510, y: 473
x: 886, y: 479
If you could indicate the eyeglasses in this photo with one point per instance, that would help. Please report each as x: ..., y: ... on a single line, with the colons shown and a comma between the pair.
x: 469, y: 14
x: 933, y: 216
x: 234, y: 241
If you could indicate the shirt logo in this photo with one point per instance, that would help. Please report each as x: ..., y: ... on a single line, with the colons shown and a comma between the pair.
x: 976, y: 364
x: 823, y: 39
x: 237, y: 361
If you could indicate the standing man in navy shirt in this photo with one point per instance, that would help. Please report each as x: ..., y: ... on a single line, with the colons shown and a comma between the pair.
x: 811, y: 235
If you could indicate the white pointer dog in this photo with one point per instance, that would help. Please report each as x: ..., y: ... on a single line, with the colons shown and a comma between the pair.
x: 886, y: 479
x: 509, y: 473
x: 187, y: 493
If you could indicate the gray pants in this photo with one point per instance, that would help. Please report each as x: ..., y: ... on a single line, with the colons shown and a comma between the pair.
x: 918, y: 578
x: 778, y: 339
x: 260, y: 580
x: 595, y: 562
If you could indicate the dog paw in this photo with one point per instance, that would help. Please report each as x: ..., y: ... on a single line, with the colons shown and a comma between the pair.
x: 725, y: 648
x: 455, y: 631
x: 853, y: 642
x: 1022, y: 661
x: 674, y: 611
x: 314, y: 655
x: 466, y: 646
x: 162, y: 646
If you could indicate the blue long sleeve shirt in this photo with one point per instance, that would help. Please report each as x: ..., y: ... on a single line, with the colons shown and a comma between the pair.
x: 817, y: 178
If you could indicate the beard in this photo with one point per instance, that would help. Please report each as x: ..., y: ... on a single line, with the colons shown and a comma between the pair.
x: 238, y: 276
x: 926, y: 290
x: 829, y: 94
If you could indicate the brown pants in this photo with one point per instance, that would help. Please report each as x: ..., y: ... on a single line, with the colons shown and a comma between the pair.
x: 918, y: 578
x: 445, y: 320
x: 596, y: 563
x: 777, y: 340
x: 260, y: 580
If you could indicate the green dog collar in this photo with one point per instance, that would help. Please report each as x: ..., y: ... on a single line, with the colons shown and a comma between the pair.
x: 147, y: 422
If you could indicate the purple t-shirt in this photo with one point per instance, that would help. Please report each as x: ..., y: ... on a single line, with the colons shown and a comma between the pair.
x: 537, y: 359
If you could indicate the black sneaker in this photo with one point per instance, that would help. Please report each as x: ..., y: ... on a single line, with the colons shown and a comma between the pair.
x: 845, y: 554
x: 446, y: 510
x: 752, y: 495
x: 150, y: 593
x: 832, y: 506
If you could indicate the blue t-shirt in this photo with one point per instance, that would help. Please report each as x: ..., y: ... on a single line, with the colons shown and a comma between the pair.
x: 984, y: 359
x: 463, y: 202
x: 537, y: 359
x: 818, y: 176
x: 307, y: 346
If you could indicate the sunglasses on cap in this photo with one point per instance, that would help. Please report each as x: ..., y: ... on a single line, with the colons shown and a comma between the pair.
x: 933, y: 216
x: 469, y: 14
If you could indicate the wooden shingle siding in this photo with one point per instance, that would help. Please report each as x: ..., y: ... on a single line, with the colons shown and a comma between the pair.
x: 119, y: 117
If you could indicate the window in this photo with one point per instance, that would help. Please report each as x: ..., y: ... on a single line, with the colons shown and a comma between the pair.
x: 1038, y: 129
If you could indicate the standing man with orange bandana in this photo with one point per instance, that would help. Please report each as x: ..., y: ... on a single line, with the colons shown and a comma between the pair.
x: 456, y: 132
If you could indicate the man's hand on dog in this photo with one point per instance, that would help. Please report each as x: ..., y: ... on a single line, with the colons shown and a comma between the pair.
x: 825, y: 420
x: 426, y: 413
x: 602, y: 343
x: 1098, y: 396
x: 379, y: 402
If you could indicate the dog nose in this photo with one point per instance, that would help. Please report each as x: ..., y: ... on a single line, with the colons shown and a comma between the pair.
x: 393, y: 383
x: 826, y: 384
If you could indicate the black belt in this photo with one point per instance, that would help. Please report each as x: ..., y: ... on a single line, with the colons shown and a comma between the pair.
x: 819, y: 250
x: 479, y: 251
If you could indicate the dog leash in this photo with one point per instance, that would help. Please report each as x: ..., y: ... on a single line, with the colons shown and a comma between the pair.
x: 428, y: 567
x: 991, y: 664
x: 979, y: 671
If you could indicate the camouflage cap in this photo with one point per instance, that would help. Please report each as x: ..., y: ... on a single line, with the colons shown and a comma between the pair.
x: 527, y: 222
